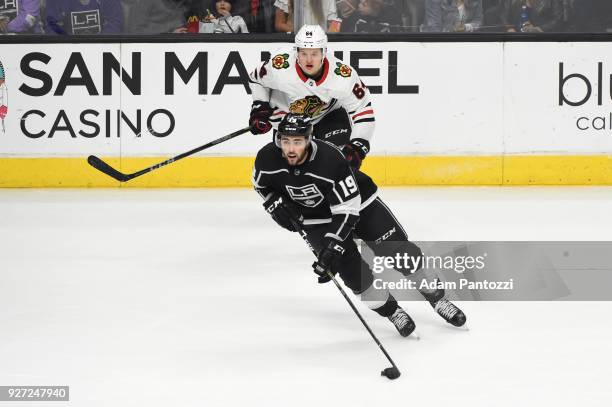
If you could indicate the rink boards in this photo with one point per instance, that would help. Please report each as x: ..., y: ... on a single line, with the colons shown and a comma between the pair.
x: 446, y: 113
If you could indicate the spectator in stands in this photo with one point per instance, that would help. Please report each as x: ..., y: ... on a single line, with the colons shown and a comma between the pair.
x: 589, y: 15
x: 320, y: 12
x: 543, y: 16
x: 219, y: 14
x: 492, y: 16
x: 259, y: 16
x: 20, y: 16
x: 224, y: 21
x: 413, y: 13
x: 373, y: 16
x: 452, y: 15
x: 73, y: 17
x: 346, y: 8
x: 197, y: 10
x: 158, y: 16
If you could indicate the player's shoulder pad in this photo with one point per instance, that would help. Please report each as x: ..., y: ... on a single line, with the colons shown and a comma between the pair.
x: 339, y: 68
x: 329, y: 153
x: 268, y: 157
x: 282, y: 58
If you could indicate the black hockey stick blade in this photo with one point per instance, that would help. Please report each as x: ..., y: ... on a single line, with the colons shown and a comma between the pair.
x: 100, y: 165
x: 391, y: 373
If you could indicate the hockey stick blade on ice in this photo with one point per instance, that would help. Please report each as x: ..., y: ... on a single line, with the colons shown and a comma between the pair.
x: 390, y: 373
x: 102, y: 166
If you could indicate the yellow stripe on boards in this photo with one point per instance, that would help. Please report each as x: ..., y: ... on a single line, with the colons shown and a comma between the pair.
x: 434, y: 170
x: 386, y: 171
x: 558, y: 170
x: 76, y: 172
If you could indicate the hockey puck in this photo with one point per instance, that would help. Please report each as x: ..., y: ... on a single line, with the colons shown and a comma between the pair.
x: 391, y: 373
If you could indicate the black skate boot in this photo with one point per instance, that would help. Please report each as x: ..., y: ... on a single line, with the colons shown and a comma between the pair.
x: 449, y: 311
x: 402, y: 321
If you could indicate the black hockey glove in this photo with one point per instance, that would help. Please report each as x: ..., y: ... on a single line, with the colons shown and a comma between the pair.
x: 282, y: 212
x: 331, y: 251
x: 355, y: 151
x: 260, y: 117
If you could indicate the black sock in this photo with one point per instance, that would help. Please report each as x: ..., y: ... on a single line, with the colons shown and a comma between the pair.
x: 388, y: 308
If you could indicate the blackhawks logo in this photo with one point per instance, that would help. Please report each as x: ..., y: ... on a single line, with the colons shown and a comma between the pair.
x: 281, y: 61
x: 310, y: 106
x: 342, y: 70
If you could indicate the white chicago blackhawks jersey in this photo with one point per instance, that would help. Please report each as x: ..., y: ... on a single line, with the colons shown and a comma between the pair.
x: 282, y: 82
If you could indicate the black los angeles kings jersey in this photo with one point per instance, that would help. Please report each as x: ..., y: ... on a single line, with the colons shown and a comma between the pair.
x: 323, y: 188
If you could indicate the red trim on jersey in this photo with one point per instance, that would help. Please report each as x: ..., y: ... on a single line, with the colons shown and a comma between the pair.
x: 278, y: 112
x: 300, y: 73
x: 362, y: 113
x: 325, y: 71
x: 303, y: 76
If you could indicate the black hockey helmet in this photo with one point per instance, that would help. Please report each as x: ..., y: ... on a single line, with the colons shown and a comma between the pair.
x: 294, y: 124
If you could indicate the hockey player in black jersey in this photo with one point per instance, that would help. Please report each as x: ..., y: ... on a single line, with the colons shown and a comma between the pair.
x: 310, y: 181
x: 342, y: 114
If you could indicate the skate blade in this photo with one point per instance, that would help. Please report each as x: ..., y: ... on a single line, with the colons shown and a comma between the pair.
x: 415, y: 335
x: 459, y: 328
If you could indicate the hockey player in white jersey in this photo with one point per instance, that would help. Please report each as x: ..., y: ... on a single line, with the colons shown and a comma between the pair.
x: 306, y: 79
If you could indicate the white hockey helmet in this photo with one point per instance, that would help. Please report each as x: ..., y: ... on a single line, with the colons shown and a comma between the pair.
x: 311, y: 36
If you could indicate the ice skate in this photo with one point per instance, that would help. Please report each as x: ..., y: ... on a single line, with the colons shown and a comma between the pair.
x: 402, y: 321
x: 449, y: 311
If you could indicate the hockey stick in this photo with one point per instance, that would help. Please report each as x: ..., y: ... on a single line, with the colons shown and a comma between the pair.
x: 390, y: 373
x: 100, y: 165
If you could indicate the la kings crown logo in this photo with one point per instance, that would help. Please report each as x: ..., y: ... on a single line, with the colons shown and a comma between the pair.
x: 86, y: 22
x: 308, y: 195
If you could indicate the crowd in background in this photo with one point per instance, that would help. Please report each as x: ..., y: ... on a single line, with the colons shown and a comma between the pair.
x: 72, y: 17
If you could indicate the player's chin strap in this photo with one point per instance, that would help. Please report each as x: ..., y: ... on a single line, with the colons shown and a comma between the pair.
x: 390, y: 372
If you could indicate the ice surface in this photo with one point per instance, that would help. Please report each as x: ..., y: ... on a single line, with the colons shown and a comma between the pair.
x: 196, y: 298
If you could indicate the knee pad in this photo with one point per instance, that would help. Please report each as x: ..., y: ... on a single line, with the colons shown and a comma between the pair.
x: 403, y: 249
x: 354, y: 272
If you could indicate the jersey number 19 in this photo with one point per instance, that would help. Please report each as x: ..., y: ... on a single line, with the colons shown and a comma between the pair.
x: 348, y: 186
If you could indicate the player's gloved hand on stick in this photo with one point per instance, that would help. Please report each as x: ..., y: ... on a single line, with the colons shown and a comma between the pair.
x: 332, y: 250
x: 260, y: 117
x: 355, y: 151
x: 281, y: 211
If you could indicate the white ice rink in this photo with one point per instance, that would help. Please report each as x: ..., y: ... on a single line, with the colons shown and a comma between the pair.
x: 196, y: 298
